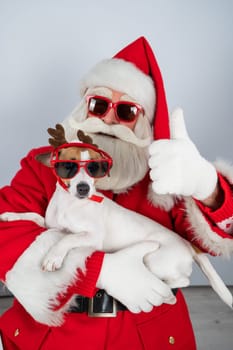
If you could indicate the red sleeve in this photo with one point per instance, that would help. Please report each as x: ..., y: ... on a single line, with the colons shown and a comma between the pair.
x: 26, y: 193
x: 86, y: 281
x: 226, y: 210
x: 200, y: 225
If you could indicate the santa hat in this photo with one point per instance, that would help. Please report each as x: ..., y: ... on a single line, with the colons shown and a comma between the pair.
x: 134, y: 71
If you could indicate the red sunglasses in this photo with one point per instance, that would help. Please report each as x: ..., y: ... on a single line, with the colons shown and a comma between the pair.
x: 125, y: 111
x: 67, y: 169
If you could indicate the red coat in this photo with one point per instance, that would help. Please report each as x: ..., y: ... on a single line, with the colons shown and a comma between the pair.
x: 31, y: 190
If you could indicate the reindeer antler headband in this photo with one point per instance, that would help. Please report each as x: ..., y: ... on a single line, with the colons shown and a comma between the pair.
x: 58, y: 136
x: 58, y: 141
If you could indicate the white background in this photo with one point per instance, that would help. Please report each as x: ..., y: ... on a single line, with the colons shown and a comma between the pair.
x: 46, y: 46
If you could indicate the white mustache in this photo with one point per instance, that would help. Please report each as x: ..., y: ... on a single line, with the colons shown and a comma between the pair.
x: 96, y: 125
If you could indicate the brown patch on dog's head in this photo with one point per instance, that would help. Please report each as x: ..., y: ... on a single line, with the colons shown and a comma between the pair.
x: 74, y: 153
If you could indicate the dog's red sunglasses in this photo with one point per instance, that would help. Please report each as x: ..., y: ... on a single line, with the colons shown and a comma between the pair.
x: 125, y: 111
x: 67, y: 169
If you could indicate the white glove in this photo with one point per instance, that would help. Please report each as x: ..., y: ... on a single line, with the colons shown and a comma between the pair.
x: 172, y: 262
x: 176, y: 165
x: 125, y: 277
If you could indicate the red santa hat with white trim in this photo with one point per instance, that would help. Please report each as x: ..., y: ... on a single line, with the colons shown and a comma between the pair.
x: 135, y: 71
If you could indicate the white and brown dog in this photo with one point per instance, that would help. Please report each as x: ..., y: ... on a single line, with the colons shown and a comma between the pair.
x: 92, y: 220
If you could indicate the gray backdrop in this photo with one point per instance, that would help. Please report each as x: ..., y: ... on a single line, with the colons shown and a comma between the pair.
x: 47, y: 45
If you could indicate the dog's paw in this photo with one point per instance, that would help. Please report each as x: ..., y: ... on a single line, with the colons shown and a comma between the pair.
x: 52, y: 261
x: 52, y: 264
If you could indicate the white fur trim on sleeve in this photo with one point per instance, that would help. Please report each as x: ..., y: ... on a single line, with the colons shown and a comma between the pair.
x: 225, y: 168
x: 162, y: 201
x: 37, y: 290
x: 211, y: 241
x: 203, y: 232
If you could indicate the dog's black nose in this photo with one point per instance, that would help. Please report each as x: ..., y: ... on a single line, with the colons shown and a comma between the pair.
x: 82, y: 189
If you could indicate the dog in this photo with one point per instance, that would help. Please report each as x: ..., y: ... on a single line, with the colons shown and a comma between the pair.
x: 92, y: 220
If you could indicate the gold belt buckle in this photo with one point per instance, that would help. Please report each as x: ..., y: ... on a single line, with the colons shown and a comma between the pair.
x: 91, y: 313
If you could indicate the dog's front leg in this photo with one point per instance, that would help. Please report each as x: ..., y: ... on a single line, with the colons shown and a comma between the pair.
x: 56, y: 255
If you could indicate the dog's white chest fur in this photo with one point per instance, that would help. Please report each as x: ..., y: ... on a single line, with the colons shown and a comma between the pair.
x: 71, y: 214
x: 65, y: 210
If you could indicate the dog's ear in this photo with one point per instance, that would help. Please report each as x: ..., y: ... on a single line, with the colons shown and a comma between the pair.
x: 44, y: 158
x: 85, y: 138
x: 58, y: 136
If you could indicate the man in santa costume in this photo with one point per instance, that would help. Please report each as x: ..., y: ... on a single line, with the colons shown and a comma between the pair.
x: 158, y: 172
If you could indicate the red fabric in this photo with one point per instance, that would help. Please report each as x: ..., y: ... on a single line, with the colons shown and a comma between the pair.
x: 144, y: 331
x: 212, y: 217
x: 31, y: 190
x: 27, y: 192
x: 226, y: 209
x: 141, y: 55
x: 93, y: 266
x: 86, y: 281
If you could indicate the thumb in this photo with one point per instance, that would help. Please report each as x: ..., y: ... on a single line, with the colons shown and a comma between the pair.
x: 143, y: 248
x: 177, y: 125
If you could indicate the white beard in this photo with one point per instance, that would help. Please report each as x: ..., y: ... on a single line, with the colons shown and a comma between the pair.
x: 129, y: 152
x: 96, y: 125
x: 130, y: 163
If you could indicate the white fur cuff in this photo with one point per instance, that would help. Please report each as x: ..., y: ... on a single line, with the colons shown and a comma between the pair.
x: 37, y: 290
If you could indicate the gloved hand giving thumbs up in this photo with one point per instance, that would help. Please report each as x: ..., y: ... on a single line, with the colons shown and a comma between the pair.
x: 176, y: 165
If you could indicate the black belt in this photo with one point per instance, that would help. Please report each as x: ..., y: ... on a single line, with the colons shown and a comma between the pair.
x: 101, y: 305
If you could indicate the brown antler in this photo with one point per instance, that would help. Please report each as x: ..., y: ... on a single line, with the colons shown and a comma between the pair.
x: 58, y: 136
x: 85, y: 138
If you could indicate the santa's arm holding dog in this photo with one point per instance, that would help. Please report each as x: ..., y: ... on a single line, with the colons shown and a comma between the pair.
x: 158, y: 172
